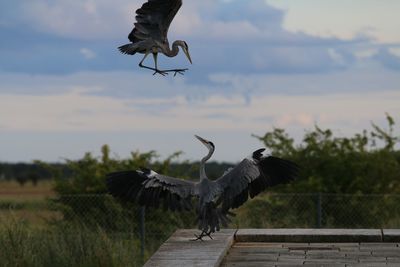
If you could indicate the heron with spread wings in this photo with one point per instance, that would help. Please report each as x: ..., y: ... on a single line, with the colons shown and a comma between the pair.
x: 215, y: 197
x: 150, y: 34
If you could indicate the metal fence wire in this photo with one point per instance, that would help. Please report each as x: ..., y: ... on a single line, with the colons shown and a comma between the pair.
x: 152, y: 227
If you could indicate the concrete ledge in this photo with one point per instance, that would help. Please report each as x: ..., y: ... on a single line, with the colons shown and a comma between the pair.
x: 179, y: 250
x: 310, y: 235
x: 391, y: 235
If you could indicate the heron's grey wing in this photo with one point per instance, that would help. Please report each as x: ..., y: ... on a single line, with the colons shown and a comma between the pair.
x: 150, y: 189
x: 253, y: 175
x: 153, y: 20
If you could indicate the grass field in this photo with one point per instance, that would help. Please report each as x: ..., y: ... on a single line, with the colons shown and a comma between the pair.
x: 27, y: 203
x: 33, y: 233
x: 11, y: 190
x: 96, y: 230
x: 23, y: 244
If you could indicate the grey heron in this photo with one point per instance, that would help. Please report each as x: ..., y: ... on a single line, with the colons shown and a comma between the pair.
x: 251, y: 176
x: 149, y: 34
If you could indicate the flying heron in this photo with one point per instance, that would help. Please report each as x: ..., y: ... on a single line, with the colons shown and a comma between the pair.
x: 215, y: 197
x: 150, y: 33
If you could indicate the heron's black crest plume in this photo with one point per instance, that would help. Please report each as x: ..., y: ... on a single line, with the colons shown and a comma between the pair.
x: 258, y: 154
x: 215, y: 198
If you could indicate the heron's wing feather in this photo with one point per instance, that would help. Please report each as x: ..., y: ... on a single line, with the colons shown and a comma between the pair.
x: 150, y: 189
x: 253, y: 175
x: 153, y: 20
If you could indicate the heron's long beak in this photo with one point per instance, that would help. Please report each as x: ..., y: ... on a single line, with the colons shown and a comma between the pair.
x: 204, y: 141
x: 186, y: 51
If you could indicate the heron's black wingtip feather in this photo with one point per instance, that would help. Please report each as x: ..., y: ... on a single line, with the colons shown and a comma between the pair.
x: 124, y: 185
x: 278, y: 171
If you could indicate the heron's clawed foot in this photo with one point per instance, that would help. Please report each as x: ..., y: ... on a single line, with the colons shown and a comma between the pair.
x: 180, y: 71
x: 176, y: 71
x: 161, y: 72
x: 200, y: 236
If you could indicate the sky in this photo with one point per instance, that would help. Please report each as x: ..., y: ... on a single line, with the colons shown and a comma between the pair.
x: 257, y: 64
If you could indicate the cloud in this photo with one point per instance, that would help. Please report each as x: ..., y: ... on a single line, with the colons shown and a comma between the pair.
x: 394, y: 51
x: 365, y: 53
x: 67, y: 115
x: 110, y: 101
x: 224, y: 36
x: 75, y: 110
x: 388, y: 57
x: 87, y: 53
x: 84, y: 20
x: 338, y: 18
x: 131, y: 84
x: 61, y: 75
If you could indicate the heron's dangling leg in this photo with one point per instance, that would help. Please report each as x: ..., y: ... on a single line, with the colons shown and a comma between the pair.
x: 165, y: 72
x: 146, y: 67
x: 162, y: 72
x: 156, y: 70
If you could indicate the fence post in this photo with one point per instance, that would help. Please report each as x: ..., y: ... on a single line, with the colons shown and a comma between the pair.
x: 142, y: 231
x: 319, y: 210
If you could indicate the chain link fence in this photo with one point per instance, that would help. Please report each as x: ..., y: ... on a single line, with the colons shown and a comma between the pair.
x: 150, y: 228
x: 319, y: 210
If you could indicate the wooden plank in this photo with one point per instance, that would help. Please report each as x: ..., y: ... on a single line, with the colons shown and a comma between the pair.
x: 309, y: 235
x: 280, y: 247
x: 180, y: 250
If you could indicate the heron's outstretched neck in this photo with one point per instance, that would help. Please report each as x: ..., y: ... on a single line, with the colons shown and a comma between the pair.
x: 203, y: 164
x: 174, y: 51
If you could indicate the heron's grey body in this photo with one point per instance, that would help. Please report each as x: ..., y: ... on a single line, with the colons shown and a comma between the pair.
x: 150, y: 33
x: 215, y: 197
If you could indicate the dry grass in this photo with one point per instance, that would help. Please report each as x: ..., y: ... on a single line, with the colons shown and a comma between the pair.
x: 27, y: 203
x: 13, y: 191
x: 34, y: 217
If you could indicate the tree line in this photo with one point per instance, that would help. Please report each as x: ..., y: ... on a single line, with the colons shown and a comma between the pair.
x: 367, y: 162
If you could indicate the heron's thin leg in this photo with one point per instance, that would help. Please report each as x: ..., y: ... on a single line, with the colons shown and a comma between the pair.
x: 164, y: 72
x: 141, y: 62
x: 146, y: 67
x: 155, y: 56
x: 209, y: 234
x: 157, y: 70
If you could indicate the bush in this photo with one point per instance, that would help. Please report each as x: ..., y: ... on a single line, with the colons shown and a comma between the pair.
x: 365, y: 163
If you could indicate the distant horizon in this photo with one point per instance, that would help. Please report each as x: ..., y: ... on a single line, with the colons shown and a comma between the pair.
x: 226, y: 151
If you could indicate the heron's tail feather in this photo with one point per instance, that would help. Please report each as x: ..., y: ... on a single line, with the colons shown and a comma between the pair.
x: 128, y: 49
x: 211, y: 218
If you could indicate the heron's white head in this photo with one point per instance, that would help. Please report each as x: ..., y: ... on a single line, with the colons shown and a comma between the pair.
x: 185, y: 49
x: 205, y: 142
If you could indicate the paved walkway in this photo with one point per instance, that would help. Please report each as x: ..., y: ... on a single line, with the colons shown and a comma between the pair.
x: 282, y: 247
